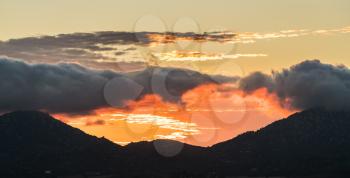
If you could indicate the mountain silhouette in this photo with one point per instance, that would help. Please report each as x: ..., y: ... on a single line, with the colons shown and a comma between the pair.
x: 34, y: 142
x: 309, y: 143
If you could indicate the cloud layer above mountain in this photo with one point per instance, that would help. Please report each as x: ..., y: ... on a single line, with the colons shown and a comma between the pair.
x: 310, y: 84
x: 71, y: 88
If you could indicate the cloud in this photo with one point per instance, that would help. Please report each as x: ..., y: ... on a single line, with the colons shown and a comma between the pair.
x: 96, y: 122
x: 56, y: 88
x: 200, y: 56
x: 252, y: 37
x: 161, y: 122
x: 172, y: 37
x: 71, y: 88
x: 120, y: 51
x: 93, y: 49
x: 309, y: 84
x: 88, y: 49
x: 256, y: 81
x: 138, y: 126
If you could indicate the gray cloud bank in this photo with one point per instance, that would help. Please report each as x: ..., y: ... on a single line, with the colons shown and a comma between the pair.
x: 116, y: 50
x: 310, y: 84
x: 84, y: 48
x: 74, y: 89
x: 71, y: 88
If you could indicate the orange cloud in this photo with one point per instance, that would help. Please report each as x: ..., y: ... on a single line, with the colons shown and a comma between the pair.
x: 207, y: 115
x: 156, y: 39
x: 164, y: 38
x: 200, y: 56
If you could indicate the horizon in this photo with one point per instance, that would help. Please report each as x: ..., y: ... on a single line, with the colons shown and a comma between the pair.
x: 159, y: 140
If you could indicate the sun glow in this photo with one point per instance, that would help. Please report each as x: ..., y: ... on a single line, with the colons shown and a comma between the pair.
x: 207, y: 115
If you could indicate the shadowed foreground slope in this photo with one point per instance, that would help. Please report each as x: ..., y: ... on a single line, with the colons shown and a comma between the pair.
x: 313, y: 142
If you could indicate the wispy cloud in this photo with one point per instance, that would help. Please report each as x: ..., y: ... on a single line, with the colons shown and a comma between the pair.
x: 200, y: 56
x: 252, y: 37
x: 160, y: 121
x: 124, y: 51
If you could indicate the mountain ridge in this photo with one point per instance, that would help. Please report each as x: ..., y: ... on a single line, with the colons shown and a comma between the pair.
x: 310, y: 142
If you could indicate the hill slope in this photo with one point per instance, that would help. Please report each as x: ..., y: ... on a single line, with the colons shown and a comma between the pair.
x: 33, y: 142
x: 307, y: 143
x: 313, y: 142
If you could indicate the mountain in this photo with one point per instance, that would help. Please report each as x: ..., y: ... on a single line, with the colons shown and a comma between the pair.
x: 34, y: 142
x: 312, y: 142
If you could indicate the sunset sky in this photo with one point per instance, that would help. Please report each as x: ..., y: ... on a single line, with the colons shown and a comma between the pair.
x: 194, y: 71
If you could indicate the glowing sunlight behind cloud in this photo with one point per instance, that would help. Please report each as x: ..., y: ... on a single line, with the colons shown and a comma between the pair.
x: 208, y: 114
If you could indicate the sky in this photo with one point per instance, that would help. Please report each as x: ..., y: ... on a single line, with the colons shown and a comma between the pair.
x: 38, y: 17
x: 195, y: 71
x: 42, y: 17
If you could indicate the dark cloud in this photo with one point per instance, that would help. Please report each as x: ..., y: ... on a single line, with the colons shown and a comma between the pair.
x: 255, y: 81
x: 94, y: 48
x: 310, y: 84
x: 56, y: 88
x: 169, y: 83
x: 71, y: 88
x: 84, y: 48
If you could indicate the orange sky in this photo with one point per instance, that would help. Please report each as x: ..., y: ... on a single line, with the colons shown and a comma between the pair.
x: 207, y: 115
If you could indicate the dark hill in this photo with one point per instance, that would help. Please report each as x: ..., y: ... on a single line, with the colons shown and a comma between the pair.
x: 307, y: 143
x: 167, y: 157
x: 34, y: 142
x: 313, y: 142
